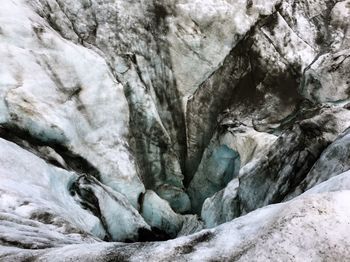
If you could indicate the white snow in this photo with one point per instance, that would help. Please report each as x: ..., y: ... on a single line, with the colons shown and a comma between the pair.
x: 309, y: 228
x: 64, y: 92
x: 29, y: 187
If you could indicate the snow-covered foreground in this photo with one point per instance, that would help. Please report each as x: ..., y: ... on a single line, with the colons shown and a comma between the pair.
x: 312, y: 227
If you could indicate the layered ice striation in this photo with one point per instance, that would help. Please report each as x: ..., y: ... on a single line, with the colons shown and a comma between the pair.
x: 32, y: 190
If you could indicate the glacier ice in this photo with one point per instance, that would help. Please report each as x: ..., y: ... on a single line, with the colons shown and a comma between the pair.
x: 203, y: 121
